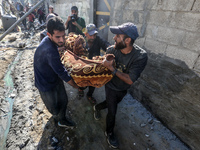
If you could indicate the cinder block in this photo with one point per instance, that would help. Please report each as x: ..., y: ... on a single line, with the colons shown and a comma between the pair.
x: 140, y: 42
x: 183, y: 54
x: 191, y: 41
x: 173, y: 5
x: 155, y: 46
x: 168, y: 35
x: 196, y: 6
x: 131, y: 4
x: 185, y: 20
x: 159, y: 18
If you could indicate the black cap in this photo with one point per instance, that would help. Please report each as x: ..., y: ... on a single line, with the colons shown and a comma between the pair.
x: 74, y: 8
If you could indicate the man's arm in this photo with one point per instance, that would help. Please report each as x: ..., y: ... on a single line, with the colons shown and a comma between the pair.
x: 77, y: 25
x: 123, y: 76
x: 80, y: 26
x: 66, y: 23
x: 73, y: 84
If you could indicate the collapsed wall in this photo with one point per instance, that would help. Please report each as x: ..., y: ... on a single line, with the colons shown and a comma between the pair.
x: 170, y: 90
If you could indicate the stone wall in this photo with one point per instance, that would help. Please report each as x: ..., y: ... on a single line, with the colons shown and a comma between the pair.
x: 168, y: 27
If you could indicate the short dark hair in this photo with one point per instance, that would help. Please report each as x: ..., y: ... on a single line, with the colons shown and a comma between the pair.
x: 74, y: 8
x: 55, y: 23
x: 132, y: 41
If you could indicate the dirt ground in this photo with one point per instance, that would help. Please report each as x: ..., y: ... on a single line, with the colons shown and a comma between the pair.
x: 32, y: 126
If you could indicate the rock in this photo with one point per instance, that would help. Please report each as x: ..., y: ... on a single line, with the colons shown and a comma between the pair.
x: 12, y: 39
x: 170, y: 90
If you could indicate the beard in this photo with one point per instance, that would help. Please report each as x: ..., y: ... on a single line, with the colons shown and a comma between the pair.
x: 90, y: 40
x: 59, y: 44
x: 120, y: 45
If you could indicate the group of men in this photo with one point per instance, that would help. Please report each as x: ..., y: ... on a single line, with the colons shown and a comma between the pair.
x: 49, y: 72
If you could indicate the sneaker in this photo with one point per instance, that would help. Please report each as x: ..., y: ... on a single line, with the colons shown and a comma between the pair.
x: 112, y: 140
x: 97, y: 113
x: 66, y: 123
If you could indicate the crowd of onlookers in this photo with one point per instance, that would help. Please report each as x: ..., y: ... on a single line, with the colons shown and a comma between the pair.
x: 36, y: 13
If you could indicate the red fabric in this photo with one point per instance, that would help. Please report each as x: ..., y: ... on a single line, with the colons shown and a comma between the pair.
x: 31, y: 17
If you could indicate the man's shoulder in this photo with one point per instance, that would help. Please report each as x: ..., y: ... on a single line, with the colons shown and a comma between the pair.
x: 45, y: 43
x: 140, y: 52
x: 139, y: 49
x: 81, y: 18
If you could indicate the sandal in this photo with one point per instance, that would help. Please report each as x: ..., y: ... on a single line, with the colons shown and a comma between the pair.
x: 80, y: 94
x: 91, y: 99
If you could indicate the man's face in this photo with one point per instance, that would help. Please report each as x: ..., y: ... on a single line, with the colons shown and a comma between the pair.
x: 50, y: 10
x: 74, y: 12
x: 119, y: 41
x: 58, y: 37
x: 90, y: 38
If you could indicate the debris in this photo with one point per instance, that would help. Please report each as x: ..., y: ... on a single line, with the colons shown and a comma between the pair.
x: 12, y: 39
x: 143, y: 124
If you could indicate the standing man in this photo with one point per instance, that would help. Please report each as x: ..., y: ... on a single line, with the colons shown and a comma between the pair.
x: 93, y: 43
x: 31, y: 19
x: 49, y: 72
x: 51, y: 10
x: 130, y: 62
x: 74, y: 23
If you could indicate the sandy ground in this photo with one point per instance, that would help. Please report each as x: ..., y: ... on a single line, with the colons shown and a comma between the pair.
x: 32, y: 127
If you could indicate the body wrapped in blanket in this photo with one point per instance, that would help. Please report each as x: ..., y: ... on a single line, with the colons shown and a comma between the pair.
x: 84, y: 71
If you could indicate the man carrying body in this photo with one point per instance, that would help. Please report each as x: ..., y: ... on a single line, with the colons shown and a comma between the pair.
x: 130, y: 62
x: 74, y: 23
x: 93, y: 43
x: 49, y: 72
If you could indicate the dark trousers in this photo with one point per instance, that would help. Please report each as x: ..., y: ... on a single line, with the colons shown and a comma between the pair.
x: 56, y: 101
x: 41, y: 18
x: 90, y: 91
x: 24, y: 21
x: 112, y: 99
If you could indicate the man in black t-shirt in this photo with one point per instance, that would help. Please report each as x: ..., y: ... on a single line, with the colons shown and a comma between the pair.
x: 130, y: 62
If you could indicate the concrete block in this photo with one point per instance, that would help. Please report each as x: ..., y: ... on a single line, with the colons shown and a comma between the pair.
x: 155, y: 46
x: 191, y: 41
x: 183, y: 54
x: 159, y: 18
x: 129, y: 4
x: 196, y: 6
x: 168, y: 35
x: 140, y: 42
x: 173, y: 5
x: 185, y: 20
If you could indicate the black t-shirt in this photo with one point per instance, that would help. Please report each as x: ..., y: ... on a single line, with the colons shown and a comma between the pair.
x: 98, y: 44
x: 132, y: 63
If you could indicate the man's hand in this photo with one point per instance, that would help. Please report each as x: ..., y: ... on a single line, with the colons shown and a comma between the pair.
x: 75, y: 23
x: 61, y: 48
x: 69, y: 18
x: 108, y: 64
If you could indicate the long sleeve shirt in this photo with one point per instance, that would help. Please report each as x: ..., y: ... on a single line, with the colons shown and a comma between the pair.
x: 48, y: 69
